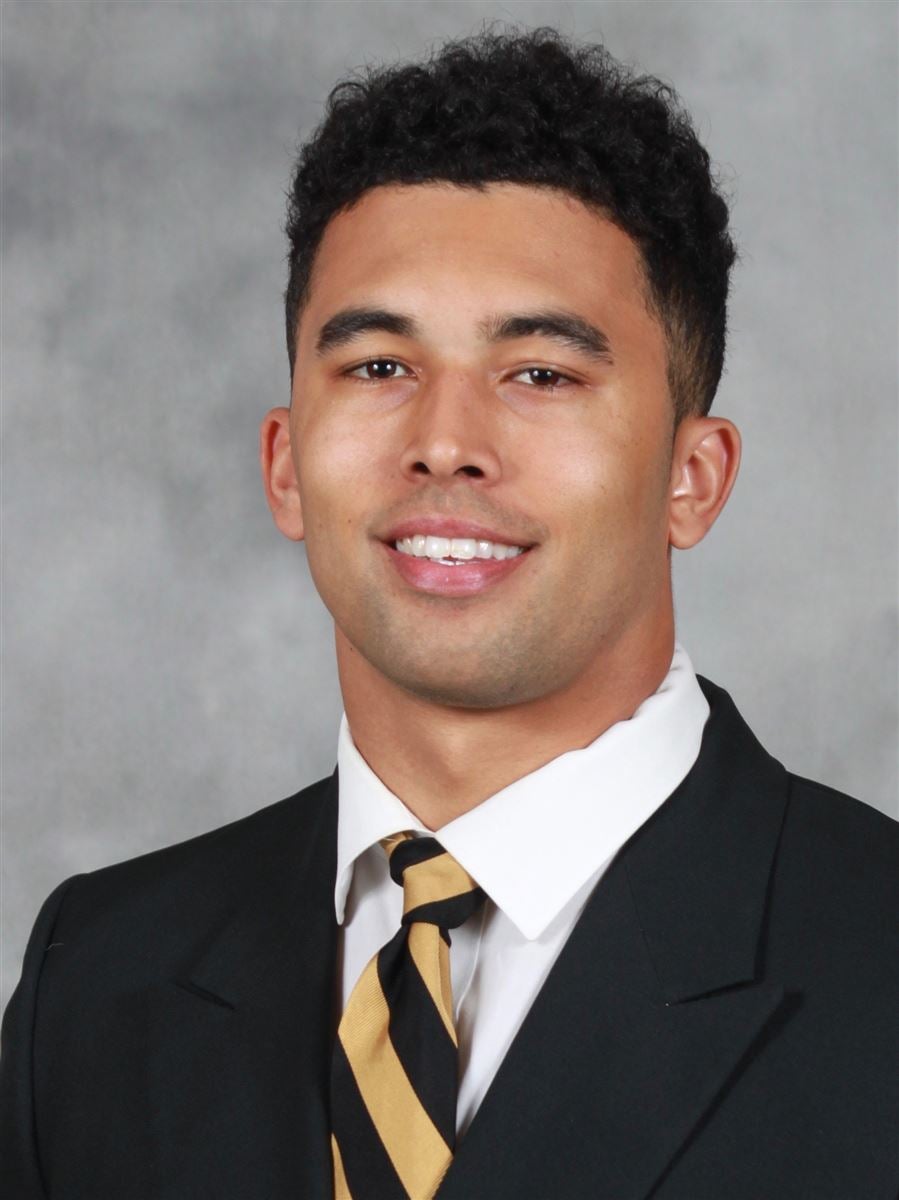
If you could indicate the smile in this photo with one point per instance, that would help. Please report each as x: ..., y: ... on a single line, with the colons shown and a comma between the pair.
x: 453, y: 551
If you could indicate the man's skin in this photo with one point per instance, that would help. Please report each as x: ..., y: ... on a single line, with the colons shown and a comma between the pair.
x: 451, y: 697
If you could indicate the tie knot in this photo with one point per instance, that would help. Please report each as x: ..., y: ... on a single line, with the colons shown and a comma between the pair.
x: 436, y: 889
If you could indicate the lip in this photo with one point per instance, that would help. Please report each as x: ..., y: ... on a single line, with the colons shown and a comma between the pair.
x: 466, y: 579
x: 452, y: 527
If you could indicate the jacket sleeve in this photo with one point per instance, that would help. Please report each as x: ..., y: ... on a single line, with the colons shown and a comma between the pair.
x: 19, y: 1164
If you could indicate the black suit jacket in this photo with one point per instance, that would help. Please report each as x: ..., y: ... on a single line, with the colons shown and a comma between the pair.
x: 722, y: 1023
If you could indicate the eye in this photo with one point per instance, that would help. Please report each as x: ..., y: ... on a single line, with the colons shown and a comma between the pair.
x: 377, y: 370
x: 544, y: 384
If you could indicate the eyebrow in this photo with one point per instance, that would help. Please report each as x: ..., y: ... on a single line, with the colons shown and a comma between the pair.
x: 567, y: 328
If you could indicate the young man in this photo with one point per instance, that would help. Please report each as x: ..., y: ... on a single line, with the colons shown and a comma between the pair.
x: 557, y: 926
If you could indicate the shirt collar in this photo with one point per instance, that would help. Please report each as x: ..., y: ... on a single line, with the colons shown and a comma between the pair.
x: 558, y: 824
x: 367, y: 811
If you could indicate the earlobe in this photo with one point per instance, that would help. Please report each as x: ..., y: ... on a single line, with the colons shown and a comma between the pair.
x: 704, y: 468
x: 278, y: 473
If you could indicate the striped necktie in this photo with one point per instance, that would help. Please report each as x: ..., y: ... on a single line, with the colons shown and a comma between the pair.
x: 395, y: 1072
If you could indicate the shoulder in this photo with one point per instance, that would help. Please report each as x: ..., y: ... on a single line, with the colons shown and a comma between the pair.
x: 106, y: 932
x: 194, y: 878
x: 842, y: 830
x: 834, y: 879
x: 835, y: 892
x: 819, y: 822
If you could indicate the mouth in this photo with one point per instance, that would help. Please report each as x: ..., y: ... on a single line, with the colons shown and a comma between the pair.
x: 454, y: 566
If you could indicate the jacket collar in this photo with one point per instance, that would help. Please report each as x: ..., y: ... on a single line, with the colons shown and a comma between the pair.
x: 698, y: 870
x: 238, y: 1041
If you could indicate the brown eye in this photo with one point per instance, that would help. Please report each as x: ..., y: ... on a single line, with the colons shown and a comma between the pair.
x: 545, y: 378
x: 377, y: 369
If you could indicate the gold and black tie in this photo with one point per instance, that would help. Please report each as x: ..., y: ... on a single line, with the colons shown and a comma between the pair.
x: 395, y: 1070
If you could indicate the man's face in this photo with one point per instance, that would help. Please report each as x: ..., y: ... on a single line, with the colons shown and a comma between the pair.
x: 450, y: 430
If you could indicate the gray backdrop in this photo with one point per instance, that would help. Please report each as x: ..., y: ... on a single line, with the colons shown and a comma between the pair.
x: 168, y: 665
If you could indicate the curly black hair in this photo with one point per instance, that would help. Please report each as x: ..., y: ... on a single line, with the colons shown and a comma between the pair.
x: 532, y: 107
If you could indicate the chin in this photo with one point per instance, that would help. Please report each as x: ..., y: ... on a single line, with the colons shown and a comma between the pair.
x: 449, y: 695
x: 479, y: 670
x: 489, y: 690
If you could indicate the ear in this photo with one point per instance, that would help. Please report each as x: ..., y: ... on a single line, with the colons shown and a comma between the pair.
x: 278, y: 474
x: 703, y: 470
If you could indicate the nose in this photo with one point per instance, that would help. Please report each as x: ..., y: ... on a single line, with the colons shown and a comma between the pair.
x: 451, y: 432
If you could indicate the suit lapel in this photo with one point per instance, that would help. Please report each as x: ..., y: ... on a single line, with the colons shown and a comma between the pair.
x: 655, y: 1002
x: 241, y: 1036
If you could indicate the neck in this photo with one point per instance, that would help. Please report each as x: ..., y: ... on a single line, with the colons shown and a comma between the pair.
x: 443, y: 761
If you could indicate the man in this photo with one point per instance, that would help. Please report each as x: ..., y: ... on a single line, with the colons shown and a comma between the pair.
x: 557, y: 926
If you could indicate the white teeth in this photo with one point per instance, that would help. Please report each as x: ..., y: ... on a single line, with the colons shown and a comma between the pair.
x: 458, y: 549
x: 464, y: 548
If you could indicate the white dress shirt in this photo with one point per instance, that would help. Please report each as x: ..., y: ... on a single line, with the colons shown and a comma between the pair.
x: 537, y: 848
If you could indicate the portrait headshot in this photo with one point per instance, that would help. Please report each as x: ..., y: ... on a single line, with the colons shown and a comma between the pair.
x: 450, y: 589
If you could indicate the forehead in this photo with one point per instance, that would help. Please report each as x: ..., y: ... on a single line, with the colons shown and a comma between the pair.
x: 506, y: 243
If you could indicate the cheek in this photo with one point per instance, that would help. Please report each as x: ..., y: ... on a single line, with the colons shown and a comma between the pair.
x: 334, y: 463
x: 582, y: 472
x: 606, y: 488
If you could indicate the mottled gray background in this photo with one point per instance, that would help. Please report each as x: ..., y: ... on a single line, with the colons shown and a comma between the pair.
x: 168, y: 665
